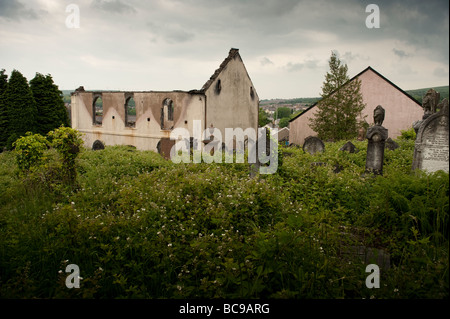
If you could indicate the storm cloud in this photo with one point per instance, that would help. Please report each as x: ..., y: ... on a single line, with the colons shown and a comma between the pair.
x: 177, y: 44
x: 115, y: 6
x: 16, y: 10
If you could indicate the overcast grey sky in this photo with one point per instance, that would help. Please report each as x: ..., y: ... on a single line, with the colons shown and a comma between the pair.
x: 178, y: 44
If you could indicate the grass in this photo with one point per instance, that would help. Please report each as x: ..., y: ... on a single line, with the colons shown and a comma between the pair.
x: 142, y: 227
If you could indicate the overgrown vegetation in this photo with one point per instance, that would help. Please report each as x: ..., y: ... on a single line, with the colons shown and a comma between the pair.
x: 142, y: 227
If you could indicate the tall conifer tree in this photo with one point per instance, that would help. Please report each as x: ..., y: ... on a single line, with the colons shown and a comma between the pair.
x: 21, y: 107
x: 51, y: 112
x: 4, y: 129
x: 338, y: 114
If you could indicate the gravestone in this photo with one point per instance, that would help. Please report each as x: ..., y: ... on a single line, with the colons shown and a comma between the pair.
x: 431, y: 152
x: 377, y: 136
x: 429, y: 104
x: 98, y: 145
x: 313, y: 145
x: 370, y: 255
x: 391, y: 144
x: 349, y: 147
x: 361, y: 134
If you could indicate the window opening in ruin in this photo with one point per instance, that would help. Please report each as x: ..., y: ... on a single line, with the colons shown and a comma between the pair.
x: 252, y: 93
x: 218, y: 86
x: 130, y: 112
x: 167, y: 114
x: 97, y: 110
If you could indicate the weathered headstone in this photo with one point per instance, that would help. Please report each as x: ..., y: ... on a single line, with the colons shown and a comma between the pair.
x: 349, y: 147
x: 377, y: 136
x: 416, y: 125
x: 264, y: 149
x: 391, y: 144
x: 431, y: 151
x: 370, y: 255
x: 313, y: 145
x: 98, y: 145
x: 429, y: 104
x: 361, y: 134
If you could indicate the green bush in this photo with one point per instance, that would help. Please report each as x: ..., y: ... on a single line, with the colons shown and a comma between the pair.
x: 409, y: 134
x: 29, y: 151
x: 67, y: 142
x: 139, y: 226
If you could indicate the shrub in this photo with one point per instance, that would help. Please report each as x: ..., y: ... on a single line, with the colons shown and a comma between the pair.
x: 409, y: 134
x: 142, y: 227
x: 67, y: 142
x: 29, y: 151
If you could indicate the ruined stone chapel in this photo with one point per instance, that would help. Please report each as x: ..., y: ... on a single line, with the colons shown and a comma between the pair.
x: 145, y: 119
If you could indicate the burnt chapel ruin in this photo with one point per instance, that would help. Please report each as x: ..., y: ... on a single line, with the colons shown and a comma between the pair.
x: 145, y: 119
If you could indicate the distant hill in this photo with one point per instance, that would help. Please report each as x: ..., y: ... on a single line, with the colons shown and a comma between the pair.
x: 417, y: 94
x: 304, y: 100
x: 67, y: 92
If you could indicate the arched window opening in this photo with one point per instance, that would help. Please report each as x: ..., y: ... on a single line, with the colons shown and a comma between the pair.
x: 130, y: 112
x: 169, y: 105
x: 167, y: 114
x: 97, y: 110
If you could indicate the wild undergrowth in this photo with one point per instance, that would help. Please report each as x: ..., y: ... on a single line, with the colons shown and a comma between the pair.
x: 139, y: 226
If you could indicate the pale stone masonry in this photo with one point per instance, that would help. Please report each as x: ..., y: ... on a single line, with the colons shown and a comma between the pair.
x: 227, y: 100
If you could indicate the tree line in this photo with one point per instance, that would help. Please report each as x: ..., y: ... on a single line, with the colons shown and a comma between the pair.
x: 36, y: 106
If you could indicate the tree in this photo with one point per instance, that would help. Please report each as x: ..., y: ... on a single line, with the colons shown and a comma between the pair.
x: 283, y: 112
x: 21, y: 107
x: 262, y: 118
x: 4, y: 129
x: 51, y: 112
x: 284, y: 122
x: 338, y: 114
